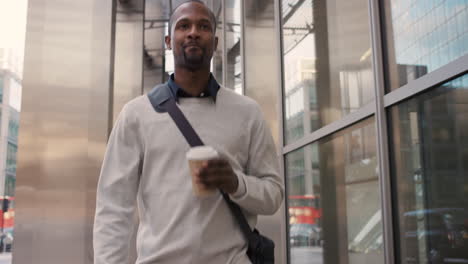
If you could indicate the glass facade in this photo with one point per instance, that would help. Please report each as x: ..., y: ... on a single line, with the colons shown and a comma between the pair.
x: 261, y: 60
x: 155, y: 27
x: 334, y: 200
x: 347, y: 192
x: 423, y: 36
x: 11, y: 158
x: 327, y: 62
x: 218, y: 57
x: 12, y: 149
x: 429, y: 156
x: 128, y: 55
x: 233, y: 46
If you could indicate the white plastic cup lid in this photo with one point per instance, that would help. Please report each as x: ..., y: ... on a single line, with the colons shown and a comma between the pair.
x: 202, y: 153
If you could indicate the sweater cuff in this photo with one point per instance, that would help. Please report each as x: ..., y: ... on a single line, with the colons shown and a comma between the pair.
x: 241, y: 188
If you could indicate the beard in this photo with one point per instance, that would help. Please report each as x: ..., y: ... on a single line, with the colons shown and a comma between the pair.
x: 193, y: 60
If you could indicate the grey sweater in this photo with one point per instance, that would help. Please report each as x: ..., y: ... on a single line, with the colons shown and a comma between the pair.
x: 145, y: 169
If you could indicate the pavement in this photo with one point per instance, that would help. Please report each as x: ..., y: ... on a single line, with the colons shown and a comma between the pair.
x: 299, y: 255
x: 307, y: 255
x: 5, y: 258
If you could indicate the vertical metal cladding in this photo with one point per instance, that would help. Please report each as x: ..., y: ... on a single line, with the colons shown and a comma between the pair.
x: 260, y: 71
x: 64, y: 124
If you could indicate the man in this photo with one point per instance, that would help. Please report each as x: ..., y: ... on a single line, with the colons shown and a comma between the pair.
x: 145, y: 163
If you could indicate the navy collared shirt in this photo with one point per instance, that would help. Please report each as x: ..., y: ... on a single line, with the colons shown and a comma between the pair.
x: 211, y: 90
x: 163, y: 92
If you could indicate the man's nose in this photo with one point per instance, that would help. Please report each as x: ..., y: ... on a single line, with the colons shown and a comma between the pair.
x: 194, y: 32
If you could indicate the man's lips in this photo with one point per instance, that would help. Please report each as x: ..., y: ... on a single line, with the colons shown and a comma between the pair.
x: 192, y: 45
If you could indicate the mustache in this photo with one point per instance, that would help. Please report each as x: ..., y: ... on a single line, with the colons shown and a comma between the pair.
x: 190, y: 44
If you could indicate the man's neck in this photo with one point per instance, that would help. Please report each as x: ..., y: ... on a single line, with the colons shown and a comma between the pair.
x: 192, y: 82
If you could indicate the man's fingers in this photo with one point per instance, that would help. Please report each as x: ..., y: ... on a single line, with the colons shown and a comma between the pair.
x: 215, y: 167
x: 213, y: 177
x: 216, y: 173
x: 219, y: 163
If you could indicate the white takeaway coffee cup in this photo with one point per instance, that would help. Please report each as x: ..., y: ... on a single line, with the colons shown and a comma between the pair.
x: 196, y: 156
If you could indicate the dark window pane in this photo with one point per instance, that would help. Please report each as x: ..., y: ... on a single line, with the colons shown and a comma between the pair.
x: 429, y: 157
x: 327, y: 62
x: 423, y: 36
x: 217, y: 63
x: 334, y: 199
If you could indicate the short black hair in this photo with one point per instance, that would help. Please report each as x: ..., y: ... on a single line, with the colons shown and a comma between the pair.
x: 212, y: 15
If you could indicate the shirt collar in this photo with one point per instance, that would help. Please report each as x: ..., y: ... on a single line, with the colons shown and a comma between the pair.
x: 211, y: 90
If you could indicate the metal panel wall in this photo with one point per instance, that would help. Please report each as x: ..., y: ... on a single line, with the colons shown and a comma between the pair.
x: 64, y: 124
x: 128, y: 67
x: 261, y: 82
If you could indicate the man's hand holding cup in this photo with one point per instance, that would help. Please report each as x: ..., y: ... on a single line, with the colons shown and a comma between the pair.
x: 218, y: 174
x: 209, y: 172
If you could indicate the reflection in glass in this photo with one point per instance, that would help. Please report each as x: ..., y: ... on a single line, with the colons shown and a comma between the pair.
x: 128, y: 57
x: 334, y: 200
x: 217, y: 62
x: 430, y: 153
x: 156, y: 19
x: 261, y: 61
x: 423, y: 36
x: 304, y: 206
x: 327, y: 62
x: 233, y: 46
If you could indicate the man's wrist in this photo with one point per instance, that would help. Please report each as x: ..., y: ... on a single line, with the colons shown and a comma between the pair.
x: 234, y: 185
x: 241, y: 188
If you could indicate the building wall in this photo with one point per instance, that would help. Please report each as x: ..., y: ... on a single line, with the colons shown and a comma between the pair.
x: 66, y: 88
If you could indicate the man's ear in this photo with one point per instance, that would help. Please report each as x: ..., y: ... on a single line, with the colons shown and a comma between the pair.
x: 216, y: 43
x: 167, y: 39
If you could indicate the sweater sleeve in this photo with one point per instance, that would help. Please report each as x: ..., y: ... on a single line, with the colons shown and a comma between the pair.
x: 260, y: 189
x: 117, y: 191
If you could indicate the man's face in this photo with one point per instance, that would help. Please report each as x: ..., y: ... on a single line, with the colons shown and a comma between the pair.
x: 192, y: 40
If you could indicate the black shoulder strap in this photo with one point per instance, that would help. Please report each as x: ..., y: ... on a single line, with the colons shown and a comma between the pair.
x: 182, y: 123
x: 194, y: 140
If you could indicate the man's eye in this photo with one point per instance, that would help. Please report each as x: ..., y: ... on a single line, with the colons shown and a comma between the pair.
x: 183, y: 26
x: 205, y: 27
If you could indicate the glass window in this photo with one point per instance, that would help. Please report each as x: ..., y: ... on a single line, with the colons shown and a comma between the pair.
x: 156, y: 19
x: 261, y: 60
x: 233, y: 46
x: 13, y: 125
x: 129, y: 58
x: 334, y: 201
x: 429, y: 156
x: 423, y: 36
x: 12, y: 149
x: 217, y: 63
x: 327, y: 62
